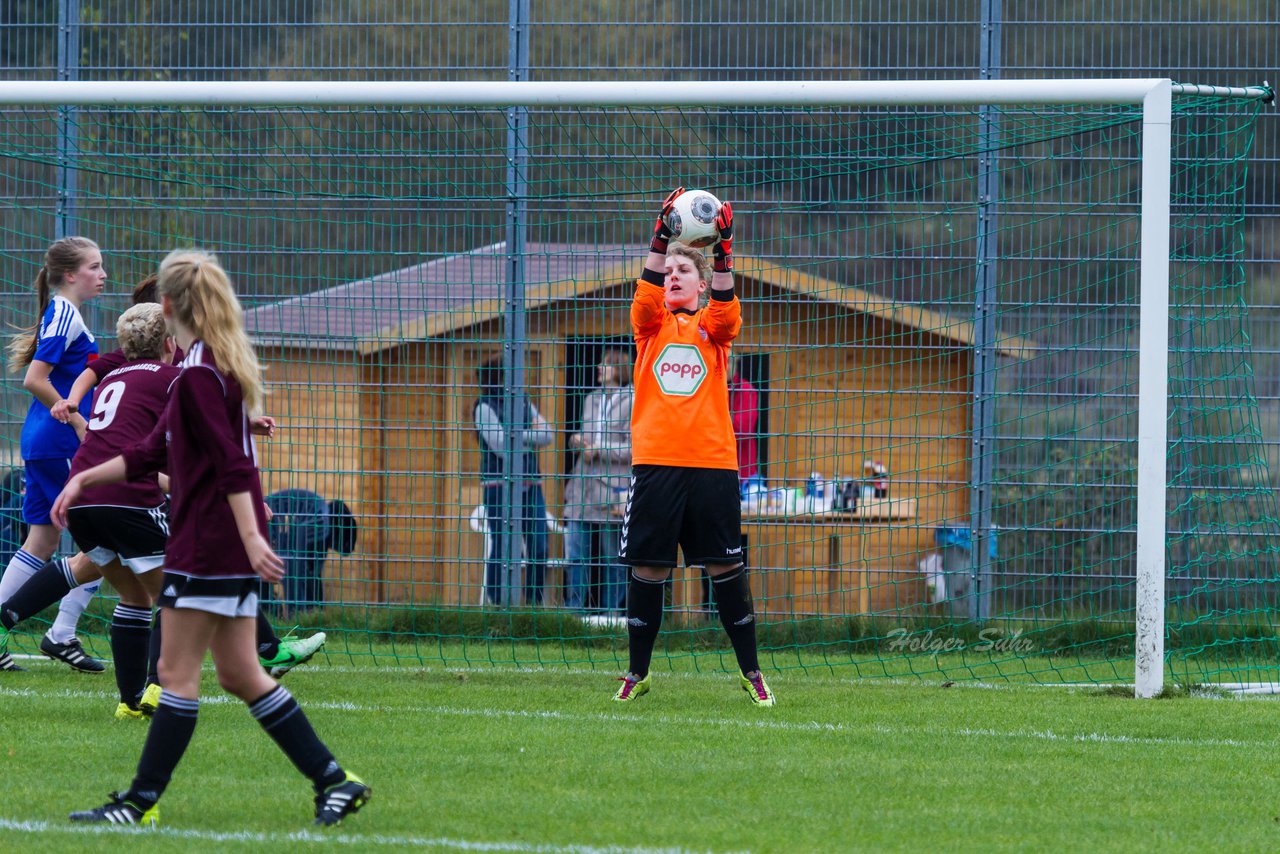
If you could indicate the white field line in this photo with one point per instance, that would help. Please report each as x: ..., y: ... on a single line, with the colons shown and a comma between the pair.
x: 604, y: 718
x: 1239, y: 689
x: 339, y: 839
x: 317, y: 666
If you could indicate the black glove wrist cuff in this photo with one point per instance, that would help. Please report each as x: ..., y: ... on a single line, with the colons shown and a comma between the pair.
x: 653, y: 277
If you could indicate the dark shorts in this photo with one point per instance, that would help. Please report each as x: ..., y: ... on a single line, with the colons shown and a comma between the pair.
x: 227, y: 597
x: 133, y: 534
x: 695, y: 509
x: 45, y: 479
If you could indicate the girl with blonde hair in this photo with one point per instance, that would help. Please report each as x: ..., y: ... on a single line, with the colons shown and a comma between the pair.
x: 684, y: 483
x: 217, y: 549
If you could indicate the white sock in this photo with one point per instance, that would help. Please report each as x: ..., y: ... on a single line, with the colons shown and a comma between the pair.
x: 69, y: 611
x: 21, y: 566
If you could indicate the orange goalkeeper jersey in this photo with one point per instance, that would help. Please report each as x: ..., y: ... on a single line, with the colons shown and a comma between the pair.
x: 680, y: 416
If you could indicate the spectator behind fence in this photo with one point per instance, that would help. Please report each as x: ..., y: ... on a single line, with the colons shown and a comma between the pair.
x: 529, y: 503
x: 303, y: 528
x: 595, y: 497
x: 744, y: 411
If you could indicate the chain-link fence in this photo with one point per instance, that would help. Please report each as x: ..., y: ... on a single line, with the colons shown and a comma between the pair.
x: 1225, y: 43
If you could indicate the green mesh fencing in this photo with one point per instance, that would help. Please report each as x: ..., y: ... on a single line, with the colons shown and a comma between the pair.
x: 938, y: 368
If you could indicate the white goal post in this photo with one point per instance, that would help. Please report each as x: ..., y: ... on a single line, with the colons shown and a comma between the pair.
x: 1153, y: 94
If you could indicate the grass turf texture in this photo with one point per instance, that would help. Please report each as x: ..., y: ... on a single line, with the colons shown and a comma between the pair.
x: 517, y: 760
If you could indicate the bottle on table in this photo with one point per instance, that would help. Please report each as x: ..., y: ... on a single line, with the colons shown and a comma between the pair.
x: 875, y: 480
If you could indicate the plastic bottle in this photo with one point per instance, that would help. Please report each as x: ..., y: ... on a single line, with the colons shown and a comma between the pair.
x: 875, y: 480
x: 813, y: 487
x: 880, y: 480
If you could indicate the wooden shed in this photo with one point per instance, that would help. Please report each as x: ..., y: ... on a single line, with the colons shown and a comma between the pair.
x: 372, y: 383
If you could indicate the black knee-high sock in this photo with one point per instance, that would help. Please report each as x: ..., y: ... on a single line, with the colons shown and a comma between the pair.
x: 286, y: 723
x: 170, y: 732
x: 644, y: 619
x: 268, y: 641
x: 733, y: 601
x: 49, y: 584
x: 153, y: 653
x: 130, y: 637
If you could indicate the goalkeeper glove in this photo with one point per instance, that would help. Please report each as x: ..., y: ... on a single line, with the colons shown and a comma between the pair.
x: 722, y: 249
x: 661, y: 232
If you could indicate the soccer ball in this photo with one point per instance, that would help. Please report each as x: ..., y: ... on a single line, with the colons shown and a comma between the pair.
x: 692, y: 218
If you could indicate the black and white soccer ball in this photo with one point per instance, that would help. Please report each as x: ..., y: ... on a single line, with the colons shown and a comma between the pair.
x: 692, y: 218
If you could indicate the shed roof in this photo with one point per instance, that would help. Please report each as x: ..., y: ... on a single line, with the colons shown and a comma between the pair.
x: 457, y: 291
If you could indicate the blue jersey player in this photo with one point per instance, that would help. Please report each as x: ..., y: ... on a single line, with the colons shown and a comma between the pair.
x: 52, y: 353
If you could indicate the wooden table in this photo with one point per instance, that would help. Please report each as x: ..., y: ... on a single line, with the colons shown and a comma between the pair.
x: 821, y: 563
x: 872, y: 509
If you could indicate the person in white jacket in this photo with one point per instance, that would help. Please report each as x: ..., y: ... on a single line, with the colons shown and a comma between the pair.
x: 530, y: 504
x: 596, y: 496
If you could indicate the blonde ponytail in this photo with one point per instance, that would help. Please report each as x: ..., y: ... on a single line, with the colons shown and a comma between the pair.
x: 63, y: 257
x: 203, y: 300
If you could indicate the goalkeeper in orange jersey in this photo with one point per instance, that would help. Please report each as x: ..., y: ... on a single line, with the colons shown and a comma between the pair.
x: 684, y: 477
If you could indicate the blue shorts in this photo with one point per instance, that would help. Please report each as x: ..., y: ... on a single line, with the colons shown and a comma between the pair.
x: 45, y: 479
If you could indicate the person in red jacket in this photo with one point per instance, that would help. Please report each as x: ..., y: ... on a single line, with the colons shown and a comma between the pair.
x: 684, y: 455
x: 744, y: 410
x: 217, y: 549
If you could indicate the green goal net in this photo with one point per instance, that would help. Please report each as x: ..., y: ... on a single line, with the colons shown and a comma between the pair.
x: 935, y: 387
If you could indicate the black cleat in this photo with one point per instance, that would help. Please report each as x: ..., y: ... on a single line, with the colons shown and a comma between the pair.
x: 6, y: 660
x: 120, y: 811
x: 341, y: 800
x: 71, y: 654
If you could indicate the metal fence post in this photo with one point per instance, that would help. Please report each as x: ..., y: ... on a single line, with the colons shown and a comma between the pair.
x: 67, y: 132
x: 515, y: 407
x: 985, y: 308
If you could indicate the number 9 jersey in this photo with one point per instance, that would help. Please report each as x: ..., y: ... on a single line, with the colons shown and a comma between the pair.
x: 126, y: 407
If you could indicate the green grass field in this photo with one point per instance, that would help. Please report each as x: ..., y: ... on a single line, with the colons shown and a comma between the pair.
x: 528, y: 760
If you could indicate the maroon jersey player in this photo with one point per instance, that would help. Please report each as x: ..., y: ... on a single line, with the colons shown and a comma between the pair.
x: 278, y: 655
x: 144, y: 292
x: 217, y: 548
x: 123, y: 526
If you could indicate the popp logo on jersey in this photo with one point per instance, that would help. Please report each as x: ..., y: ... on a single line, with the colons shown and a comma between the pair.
x: 680, y: 369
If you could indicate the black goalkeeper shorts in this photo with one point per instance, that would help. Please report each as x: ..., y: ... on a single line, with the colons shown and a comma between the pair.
x: 697, y: 510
